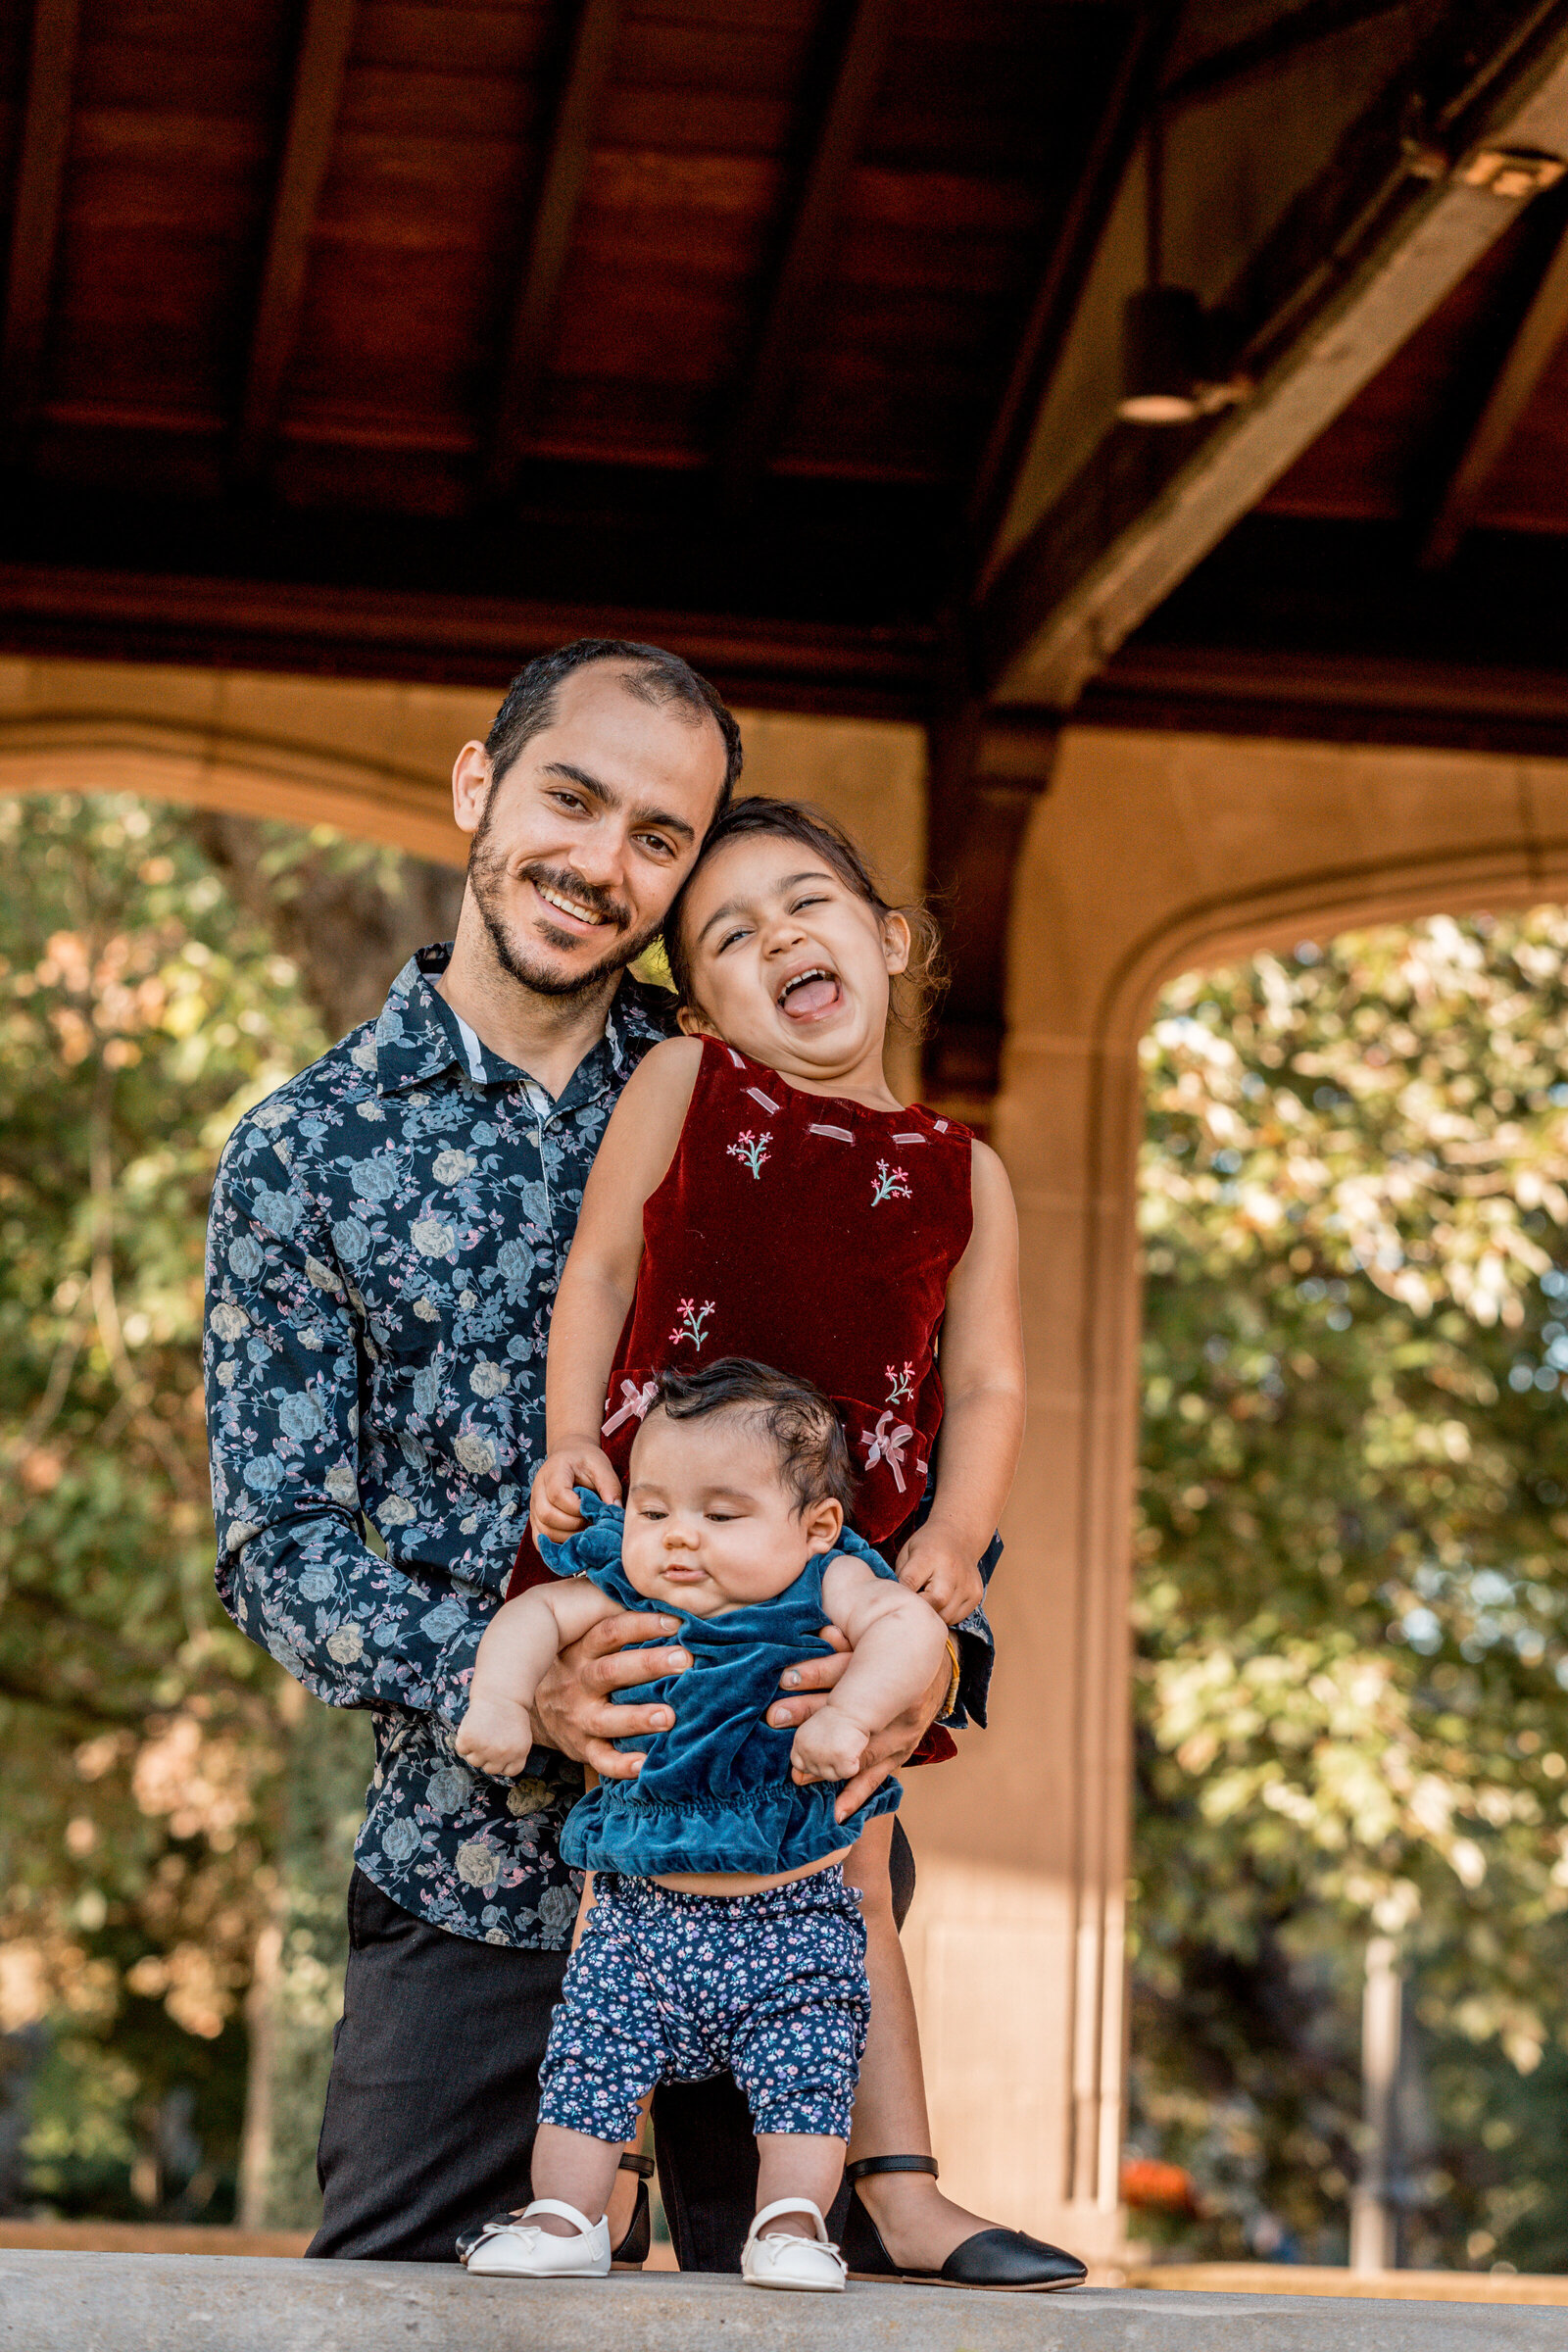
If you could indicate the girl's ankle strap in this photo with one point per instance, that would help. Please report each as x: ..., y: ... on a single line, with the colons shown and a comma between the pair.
x: 863, y: 2167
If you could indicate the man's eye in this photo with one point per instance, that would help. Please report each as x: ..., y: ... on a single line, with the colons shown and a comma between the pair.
x: 657, y: 845
x: 569, y: 800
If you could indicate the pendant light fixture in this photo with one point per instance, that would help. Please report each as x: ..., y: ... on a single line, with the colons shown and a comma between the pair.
x: 1166, y: 376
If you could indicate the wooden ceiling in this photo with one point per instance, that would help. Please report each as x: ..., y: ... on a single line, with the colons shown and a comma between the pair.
x: 404, y: 337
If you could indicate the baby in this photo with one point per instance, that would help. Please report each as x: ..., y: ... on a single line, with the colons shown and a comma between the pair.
x: 720, y: 1935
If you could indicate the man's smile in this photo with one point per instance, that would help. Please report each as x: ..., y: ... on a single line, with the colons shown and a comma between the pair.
x: 577, y: 912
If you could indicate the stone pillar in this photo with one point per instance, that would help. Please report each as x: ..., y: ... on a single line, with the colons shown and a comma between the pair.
x: 1016, y: 1938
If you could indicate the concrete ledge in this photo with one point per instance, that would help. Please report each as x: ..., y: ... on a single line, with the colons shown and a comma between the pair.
x: 184, y: 2303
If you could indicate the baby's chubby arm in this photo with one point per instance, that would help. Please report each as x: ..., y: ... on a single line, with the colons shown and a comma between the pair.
x: 521, y: 1642
x: 896, y: 1643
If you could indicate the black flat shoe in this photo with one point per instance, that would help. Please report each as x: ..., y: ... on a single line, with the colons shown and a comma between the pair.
x: 634, y: 2248
x: 1004, y: 2261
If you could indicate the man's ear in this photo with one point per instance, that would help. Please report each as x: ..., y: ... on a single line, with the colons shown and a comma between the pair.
x: 472, y: 778
x: 824, y: 1524
x: 692, y: 1022
x: 896, y: 943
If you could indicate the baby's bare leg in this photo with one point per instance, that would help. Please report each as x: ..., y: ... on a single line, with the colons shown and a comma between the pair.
x: 798, y: 2164
x: 576, y: 2170
x: 917, y: 2224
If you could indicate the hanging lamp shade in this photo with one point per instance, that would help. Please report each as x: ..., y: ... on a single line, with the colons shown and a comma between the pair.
x: 1162, y: 357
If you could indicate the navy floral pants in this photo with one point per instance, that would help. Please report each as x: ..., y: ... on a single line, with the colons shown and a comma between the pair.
x: 669, y: 1987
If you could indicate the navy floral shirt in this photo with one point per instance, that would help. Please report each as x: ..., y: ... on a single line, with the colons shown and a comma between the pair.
x: 386, y: 1237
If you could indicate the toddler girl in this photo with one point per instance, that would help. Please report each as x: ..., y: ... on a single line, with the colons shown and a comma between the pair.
x: 760, y: 1191
x: 719, y: 1932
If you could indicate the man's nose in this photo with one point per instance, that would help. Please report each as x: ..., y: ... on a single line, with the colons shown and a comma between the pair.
x: 599, y: 854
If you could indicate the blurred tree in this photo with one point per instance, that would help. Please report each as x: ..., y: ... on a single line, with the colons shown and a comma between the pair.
x: 1352, y: 1616
x: 177, y: 1819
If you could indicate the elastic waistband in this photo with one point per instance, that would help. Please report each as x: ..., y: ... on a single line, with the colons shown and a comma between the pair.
x: 643, y: 1896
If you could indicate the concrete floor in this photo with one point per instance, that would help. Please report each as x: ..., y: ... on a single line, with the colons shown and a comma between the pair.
x: 69, y: 2302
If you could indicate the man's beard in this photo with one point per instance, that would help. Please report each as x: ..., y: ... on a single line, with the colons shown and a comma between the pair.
x: 487, y: 872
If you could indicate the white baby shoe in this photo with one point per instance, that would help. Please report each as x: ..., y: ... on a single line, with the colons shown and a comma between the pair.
x: 813, y: 2268
x: 514, y: 2250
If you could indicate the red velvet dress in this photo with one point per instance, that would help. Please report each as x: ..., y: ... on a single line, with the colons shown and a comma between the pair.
x: 812, y: 1234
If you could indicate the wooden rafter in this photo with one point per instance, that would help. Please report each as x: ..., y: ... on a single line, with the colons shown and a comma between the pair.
x: 1540, y: 334
x: 323, y: 61
x: 36, y: 211
x: 1362, y: 258
x: 555, y: 216
x: 1061, y: 284
x: 808, y: 250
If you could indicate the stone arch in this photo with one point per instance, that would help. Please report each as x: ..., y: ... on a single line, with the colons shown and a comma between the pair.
x: 247, y: 774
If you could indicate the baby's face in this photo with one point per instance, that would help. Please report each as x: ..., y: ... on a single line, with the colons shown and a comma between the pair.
x: 710, y: 1522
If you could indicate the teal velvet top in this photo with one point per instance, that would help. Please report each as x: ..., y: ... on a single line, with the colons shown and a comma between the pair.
x: 716, y: 1792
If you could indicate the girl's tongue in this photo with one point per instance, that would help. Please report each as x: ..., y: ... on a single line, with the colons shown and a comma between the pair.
x: 812, y: 996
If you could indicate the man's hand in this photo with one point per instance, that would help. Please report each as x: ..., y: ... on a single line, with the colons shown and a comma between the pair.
x: 828, y: 1746
x: 943, y: 1572
x: 573, y: 1710
x: 807, y: 1687
x: 553, y: 1504
x: 496, y: 1736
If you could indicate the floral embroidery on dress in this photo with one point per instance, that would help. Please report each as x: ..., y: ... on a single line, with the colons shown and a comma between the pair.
x: 900, y: 1384
x: 751, y: 1149
x: 889, y: 1183
x: 689, y: 1326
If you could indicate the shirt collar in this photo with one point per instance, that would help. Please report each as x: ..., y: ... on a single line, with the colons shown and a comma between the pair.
x: 417, y: 1038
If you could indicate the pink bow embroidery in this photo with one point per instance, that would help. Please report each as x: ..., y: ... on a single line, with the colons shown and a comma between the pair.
x: 634, y: 1403
x: 887, y: 1442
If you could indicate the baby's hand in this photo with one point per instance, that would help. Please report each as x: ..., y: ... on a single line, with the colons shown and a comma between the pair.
x: 828, y: 1746
x: 553, y: 1504
x: 944, y: 1576
x: 496, y: 1736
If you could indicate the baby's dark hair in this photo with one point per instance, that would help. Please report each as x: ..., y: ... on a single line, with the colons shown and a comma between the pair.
x: 915, y: 990
x: 795, y: 1417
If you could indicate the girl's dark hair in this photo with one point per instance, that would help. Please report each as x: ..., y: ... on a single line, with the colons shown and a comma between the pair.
x: 915, y: 991
x: 795, y: 1417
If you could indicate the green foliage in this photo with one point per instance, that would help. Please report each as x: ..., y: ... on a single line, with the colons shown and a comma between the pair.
x: 1352, y: 1616
x: 140, y: 1012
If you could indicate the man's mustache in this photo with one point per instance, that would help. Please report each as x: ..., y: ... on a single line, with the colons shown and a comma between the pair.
x: 579, y: 892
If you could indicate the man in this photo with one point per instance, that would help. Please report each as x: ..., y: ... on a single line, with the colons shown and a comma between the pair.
x: 387, y: 1233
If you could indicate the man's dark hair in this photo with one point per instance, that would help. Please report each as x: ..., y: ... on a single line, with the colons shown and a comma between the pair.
x: 650, y: 674
x: 795, y: 1417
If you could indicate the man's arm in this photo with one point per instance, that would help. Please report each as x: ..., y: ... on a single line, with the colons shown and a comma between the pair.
x: 282, y: 1365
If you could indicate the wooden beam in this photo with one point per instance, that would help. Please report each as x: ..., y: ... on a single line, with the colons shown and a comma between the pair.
x: 1121, y: 125
x: 1541, y: 331
x: 986, y: 772
x: 555, y: 216
x: 36, y: 210
x: 320, y: 64
x: 808, y: 252
x: 453, y: 639
x: 1356, y: 264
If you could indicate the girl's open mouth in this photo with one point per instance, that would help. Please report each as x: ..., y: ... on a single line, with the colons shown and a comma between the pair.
x: 806, y: 996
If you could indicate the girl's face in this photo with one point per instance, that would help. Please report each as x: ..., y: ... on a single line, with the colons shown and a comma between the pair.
x: 789, y: 963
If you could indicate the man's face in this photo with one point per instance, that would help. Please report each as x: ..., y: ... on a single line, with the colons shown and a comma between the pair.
x: 580, y: 845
